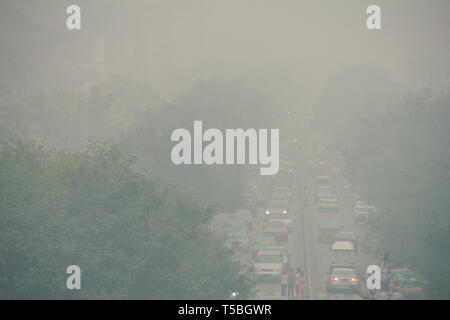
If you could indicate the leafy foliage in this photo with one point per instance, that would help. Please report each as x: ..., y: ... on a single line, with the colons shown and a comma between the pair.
x: 401, y: 159
x: 131, y: 236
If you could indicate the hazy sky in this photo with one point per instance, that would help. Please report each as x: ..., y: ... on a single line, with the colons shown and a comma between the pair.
x: 287, y: 48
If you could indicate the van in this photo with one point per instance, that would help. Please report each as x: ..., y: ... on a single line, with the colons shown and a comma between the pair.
x: 342, y: 254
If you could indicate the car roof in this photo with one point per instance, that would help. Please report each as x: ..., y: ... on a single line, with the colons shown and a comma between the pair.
x: 343, y: 270
x: 342, y: 245
x: 277, y: 248
x: 328, y: 224
x: 262, y: 238
x: 273, y: 222
x: 346, y: 234
x: 269, y: 252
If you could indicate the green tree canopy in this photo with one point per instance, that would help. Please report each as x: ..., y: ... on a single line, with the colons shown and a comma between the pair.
x: 131, y: 236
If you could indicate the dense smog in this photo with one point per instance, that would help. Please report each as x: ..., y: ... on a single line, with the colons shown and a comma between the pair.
x: 224, y: 150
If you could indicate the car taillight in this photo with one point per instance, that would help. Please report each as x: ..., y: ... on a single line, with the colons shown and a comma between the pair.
x: 334, y: 279
x: 355, y: 280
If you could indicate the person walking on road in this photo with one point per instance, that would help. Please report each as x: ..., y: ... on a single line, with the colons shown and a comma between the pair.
x: 301, y: 286
x: 284, y: 283
x: 291, y: 282
x: 297, y: 278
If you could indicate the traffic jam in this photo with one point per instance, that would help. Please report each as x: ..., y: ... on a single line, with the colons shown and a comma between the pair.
x: 300, y: 234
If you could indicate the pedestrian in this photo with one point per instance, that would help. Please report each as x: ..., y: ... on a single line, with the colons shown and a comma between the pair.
x: 301, y: 286
x: 284, y: 283
x: 291, y: 282
x: 297, y: 278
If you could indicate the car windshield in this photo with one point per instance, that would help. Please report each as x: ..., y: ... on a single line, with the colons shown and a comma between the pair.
x: 279, y: 216
x: 265, y: 241
x: 273, y: 224
x: 282, y: 189
x: 280, y: 195
x: 344, y: 273
x: 278, y: 204
x: 323, y: 180
x: 266, y: 258
x: 328, y: 226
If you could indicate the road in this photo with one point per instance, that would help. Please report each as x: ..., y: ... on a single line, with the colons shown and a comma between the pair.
x: 308, y: 253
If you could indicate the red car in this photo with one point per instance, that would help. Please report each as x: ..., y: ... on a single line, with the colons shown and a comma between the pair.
x: 276, y: 229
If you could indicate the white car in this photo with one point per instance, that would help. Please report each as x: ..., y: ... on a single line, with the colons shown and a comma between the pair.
x: 328, y: 205
x: 327, y: 196
x: 323, y: 180
x: 269, y: 264
x: 365, y: 204
x: 361, y: 214
x: 283, y: 218
x: 341, y: 279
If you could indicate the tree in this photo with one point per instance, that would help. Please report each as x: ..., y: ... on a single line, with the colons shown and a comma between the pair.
x: 401, y: 158
x: 131, y: 236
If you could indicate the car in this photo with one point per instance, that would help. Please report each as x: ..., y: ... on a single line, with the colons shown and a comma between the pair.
x: 342, y: 254
x: 361, y: 215
x: 316, y: 167
x: 283, y: 189
x: 285, y: 253
x: 282, y: 192
x: 276, y: 229
x: 327, y: 205
x: 410, y: 284
x: 269, y: 264
x: 363, y: 203
x: 284, y: 218
x: 262, y: 243
x: 277, y: 206
x: 323, y: 181
x: 359, y: 203
x: 282, y: 180
x: 322, y: 190
x: 344, y: 235
x: 281, y: 196
x: 327, y: 230
x: 343, y: 279
x: 327, y: 196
